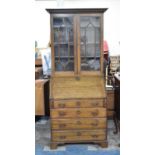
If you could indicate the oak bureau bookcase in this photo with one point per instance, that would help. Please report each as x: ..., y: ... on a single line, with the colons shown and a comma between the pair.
x: 78, y: 98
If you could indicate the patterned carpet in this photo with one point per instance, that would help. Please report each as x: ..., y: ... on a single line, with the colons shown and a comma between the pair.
x: 42, y: 139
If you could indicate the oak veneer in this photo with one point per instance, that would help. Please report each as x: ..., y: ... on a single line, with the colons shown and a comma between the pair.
x: 78, y: 98
x: 78, y: 112
x: 70, y: 87
x: 78, y: 123
x: 79, y: 135
x: 78, y: 103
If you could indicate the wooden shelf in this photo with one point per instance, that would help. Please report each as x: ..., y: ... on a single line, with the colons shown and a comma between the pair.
x: 89, y: 43
x: 64, y: 56
x: 59, y: 26
x: 84, y: 27
x: 89, y: 56
x: 63, y: 43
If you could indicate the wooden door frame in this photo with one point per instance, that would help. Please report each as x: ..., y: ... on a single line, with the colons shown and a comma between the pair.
x: 63, y: 73
x: 77, y: 58
x: 93, y: 73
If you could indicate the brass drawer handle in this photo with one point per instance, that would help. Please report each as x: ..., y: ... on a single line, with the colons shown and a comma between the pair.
x: 95, y: 104
x: 79, y: 134
x: 79, y: 123
x: 62, y: 125
x: 94, y: 136
x: 94, y: 113
x: 62, y: 105
x: 78, y: 104
x: 78, y: 112
x: 94, y: 123
x: 62, y: 137
x: 62, y: 113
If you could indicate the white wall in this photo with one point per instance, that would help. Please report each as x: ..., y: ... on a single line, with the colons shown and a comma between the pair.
x: 111, y: 19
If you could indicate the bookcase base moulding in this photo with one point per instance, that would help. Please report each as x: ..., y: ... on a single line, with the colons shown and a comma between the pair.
x: 78, y: 104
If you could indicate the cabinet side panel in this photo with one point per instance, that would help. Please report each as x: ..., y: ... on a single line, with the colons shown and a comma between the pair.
x: 52, y: 44
x: 101, y: 44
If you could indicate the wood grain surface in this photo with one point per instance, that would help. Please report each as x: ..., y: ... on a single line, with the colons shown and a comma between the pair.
x: 78, y: 135
x: 78, y: 112
x: 78, y: 123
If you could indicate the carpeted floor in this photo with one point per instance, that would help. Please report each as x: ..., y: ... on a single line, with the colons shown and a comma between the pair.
x: 42, y: 139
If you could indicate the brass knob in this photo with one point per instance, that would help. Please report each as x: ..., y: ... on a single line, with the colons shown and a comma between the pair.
x: 62, y: 105
x: 95, y: 104
x: 78, y: 112
x: 94, y: 113
x: 94, y: 136
x: 62, y: 113
x: 62, y: 125
x: 94, y: 123
x: 62, y: 137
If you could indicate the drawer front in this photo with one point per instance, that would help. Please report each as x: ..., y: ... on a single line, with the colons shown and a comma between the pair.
x: 78, y: 112
x: 78, y: 135
x: 79, y: 103
x: 81, y: 123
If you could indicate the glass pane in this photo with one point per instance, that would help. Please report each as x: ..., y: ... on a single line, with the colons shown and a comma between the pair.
x: 90, y: 43
x: 63, y: 43
x: 64, y: 65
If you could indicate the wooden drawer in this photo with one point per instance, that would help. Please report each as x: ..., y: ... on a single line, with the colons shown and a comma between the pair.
x: 81, y: 123
x: 79, y: 135
x: 78, y: 112
x: 79, y: 103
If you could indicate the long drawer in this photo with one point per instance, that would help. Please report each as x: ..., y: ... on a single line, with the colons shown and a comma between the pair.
x: 78, y: 112
x: 78, y: 135
x: 79, y: 103
x: 79, y: 123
